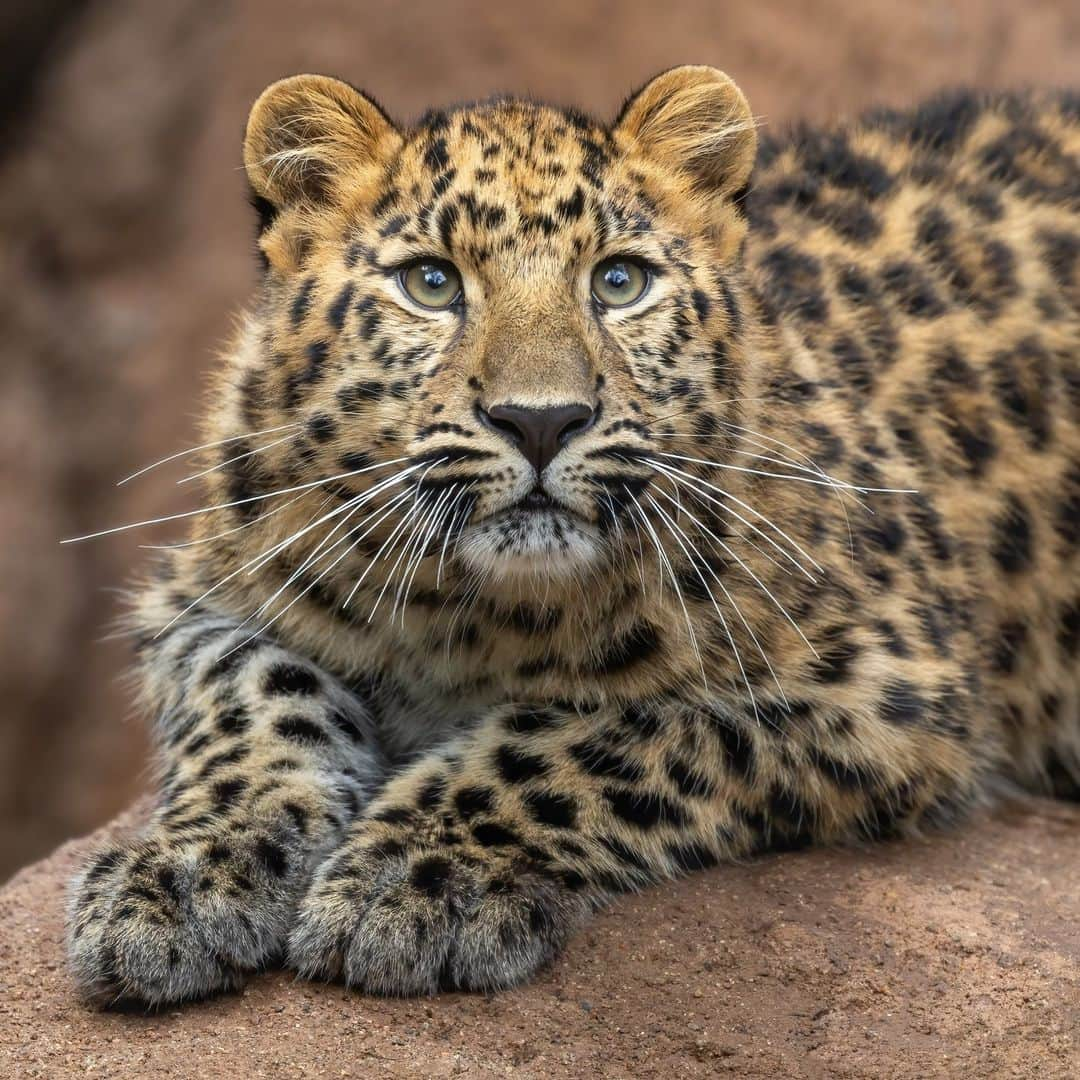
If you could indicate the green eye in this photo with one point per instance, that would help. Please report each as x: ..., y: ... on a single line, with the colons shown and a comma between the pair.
x: 432, y: 283
x: 619, y: 282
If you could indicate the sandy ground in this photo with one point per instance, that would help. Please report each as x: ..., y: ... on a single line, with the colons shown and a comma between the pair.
x: 953, y: 957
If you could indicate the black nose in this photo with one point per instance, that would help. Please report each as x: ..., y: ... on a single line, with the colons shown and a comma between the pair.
x: 539, y: 433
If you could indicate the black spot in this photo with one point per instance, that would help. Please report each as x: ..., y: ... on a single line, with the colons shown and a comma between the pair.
x: 1021, y: 379
x: 218, y: 853
x: 638, y: 644
x: 234, y: 721
x: 834, y: 665
x: 894, y: 640
x: 645, y: 809
x: 912, y: 290
x: 886, y: 534
x: 437, y: 157
x: 533, y: 621
x: 321, y: 428
x: 1011, y: 546
x: 854, y: 364
x: 473, y: 800
x: 738, y: 745
x: 340, y: 307
x: 572, y: 208
x: 942, y: 122
x: 298, y: 816
x: 515, y: 766
x: 1067, y: 523
x: 431, y: 794
x: 974, y: 440
x: 844, y: 774
x: 346, y: 725
x: 354, y: 461
x: 226, y: 757
x: 301, y: 730
x: 641, y: 720
x: 301, y: 304
x: 226, y: 792
x: 102, y: 865
x: 290, y: 679
x: 928, y: 522
x: 1010, y: 640
x: 829, y: 156
x: 794, y: 283
x: 791, y: 817
x: 849, y: 218
x: 431, y: 876
x: 598, y: 760
x: 1069, y: 629
x: 272, y: 856
x: 524, y: 720
x: 492, y: 834
x: 689, y: 781
x: 350, y: 397
x: 551, y: 808
x: 901, y: 703
x: 690, y: 857
x: 1062, y: 254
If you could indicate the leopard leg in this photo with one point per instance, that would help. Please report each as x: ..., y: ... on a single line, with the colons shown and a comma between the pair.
x: 472, y: 868
x: 266, y: 760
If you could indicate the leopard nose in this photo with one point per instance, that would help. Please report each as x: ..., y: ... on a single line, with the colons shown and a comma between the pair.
x: 539, y: 433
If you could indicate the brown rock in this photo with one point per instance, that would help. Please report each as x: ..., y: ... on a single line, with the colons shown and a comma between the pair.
x: 958, y: 956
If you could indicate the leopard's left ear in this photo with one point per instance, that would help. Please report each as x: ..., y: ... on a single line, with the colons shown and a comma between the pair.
x: 694, y: 119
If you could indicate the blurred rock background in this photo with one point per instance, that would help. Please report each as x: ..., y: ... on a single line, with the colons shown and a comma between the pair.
x: 127, y: 243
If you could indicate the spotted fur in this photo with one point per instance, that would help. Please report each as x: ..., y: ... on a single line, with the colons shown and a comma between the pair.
x: 809, y: 575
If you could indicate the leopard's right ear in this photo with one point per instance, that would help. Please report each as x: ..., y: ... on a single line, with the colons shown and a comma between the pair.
x: 310, y: 138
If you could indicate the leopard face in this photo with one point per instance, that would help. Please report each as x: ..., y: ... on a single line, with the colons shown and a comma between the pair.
x: 507, y: 300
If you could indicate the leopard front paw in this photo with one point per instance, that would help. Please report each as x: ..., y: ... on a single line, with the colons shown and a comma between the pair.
x: 407, y: 922
x: 154, y: 925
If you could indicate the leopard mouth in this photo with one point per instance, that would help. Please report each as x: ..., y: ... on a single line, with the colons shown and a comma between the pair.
x: 539, y: 501
x: 536, y: 505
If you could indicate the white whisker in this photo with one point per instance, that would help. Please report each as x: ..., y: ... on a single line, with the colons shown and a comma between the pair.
x: 754, y: 577
x: 260, y: 559
x: 828, y: 482
x: 205, y: 446
x: 235, y: 502
x: 694, y: 480
x: 678, y: 533
x: 386, y: 511
x: 446, y: 540
x: 226, y: 532
x: 239, y: 457
x: 438, y: 516
x: 666, y: 562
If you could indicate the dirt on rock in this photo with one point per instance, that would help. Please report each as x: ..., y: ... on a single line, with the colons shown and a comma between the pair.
x: 956, y: 956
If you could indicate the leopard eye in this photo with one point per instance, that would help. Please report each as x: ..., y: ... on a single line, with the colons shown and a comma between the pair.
x: 432, y: 283
x: 619, y: 282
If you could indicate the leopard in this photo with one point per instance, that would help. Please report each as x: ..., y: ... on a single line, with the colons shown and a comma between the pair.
x: 590, y: 503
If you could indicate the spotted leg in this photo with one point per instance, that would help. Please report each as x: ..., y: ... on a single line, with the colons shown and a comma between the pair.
x: 472, y: 868
x: 266, y: 761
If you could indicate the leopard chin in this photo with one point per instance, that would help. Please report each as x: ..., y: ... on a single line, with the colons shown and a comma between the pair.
x: 521, y: 543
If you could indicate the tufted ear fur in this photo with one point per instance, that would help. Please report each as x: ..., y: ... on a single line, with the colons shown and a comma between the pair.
x: 697, y: 120
x: 308, y: 135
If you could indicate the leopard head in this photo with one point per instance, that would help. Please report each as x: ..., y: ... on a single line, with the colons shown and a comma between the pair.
x: 505, y: 306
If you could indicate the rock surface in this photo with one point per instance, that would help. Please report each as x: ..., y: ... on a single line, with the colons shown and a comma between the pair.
x: 957, y: 956
x: 128, y: 244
